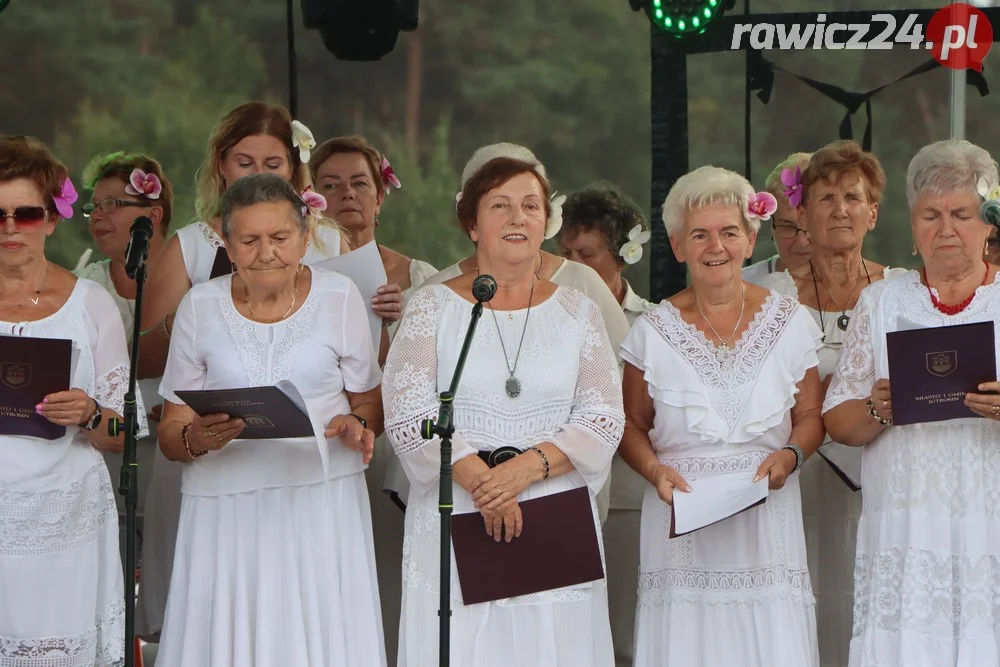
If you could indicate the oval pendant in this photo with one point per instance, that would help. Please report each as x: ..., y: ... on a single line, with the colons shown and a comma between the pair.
x: 513, y: 387
x: 843, y: 321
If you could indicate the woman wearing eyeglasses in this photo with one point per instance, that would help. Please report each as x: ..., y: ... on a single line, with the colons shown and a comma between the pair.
x: 61, y: 587
x: 840, y: 191
x: 787, y: 229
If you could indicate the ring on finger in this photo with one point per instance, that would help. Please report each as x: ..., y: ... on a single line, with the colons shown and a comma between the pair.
x: 996, y: 410
x: 885, y: 404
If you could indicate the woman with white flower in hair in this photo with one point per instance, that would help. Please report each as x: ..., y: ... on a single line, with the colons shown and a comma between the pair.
x: 603, y: 229
x: 252, y: 138
x: 721, y: 383
x: 928, y: 542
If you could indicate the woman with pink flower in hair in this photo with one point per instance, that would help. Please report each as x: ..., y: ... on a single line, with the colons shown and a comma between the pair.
x: 840, y: 191
x: 787, y: 229
x: 721, y: 387
x: 61, y: 587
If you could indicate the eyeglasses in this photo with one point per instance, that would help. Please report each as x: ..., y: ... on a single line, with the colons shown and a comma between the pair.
x: 788, y: 232
x: 108, y: 206
x: 24, y: 215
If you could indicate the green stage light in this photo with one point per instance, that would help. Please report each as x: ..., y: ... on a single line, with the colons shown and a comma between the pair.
x: 682, y: 18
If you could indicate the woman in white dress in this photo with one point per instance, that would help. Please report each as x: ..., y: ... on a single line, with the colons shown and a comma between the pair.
x: 116, y: 201
x: 840, y: 193
x: 61, y: 587
x: 791, y: 239
x: 603, y: 229
x: 721, y: 379
x: 252, y: 138
x: 557, y: 399
x: 926, y: 586
x: 274, y: 562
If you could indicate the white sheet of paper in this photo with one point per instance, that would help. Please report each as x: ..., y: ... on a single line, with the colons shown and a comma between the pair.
x: 363, y: 266
x: 845, y: 459
x: 715, y: 498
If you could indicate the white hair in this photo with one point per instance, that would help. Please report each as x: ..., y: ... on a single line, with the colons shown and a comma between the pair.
x: 707, y: 186
x: 493, y: 151
x: 948, y: 166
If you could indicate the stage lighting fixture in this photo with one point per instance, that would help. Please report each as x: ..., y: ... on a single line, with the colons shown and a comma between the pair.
x: 682, y: 18
x: 362, y: 30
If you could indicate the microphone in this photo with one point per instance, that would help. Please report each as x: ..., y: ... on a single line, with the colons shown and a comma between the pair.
x: 484, y: 288
x: 990, y: 212
x: 138, y: 245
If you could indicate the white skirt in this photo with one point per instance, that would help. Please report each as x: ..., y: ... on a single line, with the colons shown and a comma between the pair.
x: 62, y: 596
x: 159, y: 537
x: 282, y: 576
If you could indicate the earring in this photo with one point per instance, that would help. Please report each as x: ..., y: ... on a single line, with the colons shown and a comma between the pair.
x: 914, y: 253
x: 376, y: 221
x: 235, y: 270
x: 986, y: 248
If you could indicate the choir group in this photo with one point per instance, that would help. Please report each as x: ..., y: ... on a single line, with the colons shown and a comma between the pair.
x: 877, y: 545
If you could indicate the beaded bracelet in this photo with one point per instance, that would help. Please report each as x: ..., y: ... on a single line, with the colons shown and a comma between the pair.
x: 187, y: 443
x: 545, y: 462
x: 874, y: 413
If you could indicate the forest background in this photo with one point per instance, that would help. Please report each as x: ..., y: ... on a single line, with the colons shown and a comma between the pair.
x: 571, y: 80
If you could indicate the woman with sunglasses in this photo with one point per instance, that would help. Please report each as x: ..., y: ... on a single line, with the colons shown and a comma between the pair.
x: 840, y: 191
x: 61, y: 586
x: 787, y: 228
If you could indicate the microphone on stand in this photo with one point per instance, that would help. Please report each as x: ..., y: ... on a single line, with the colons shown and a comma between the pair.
x: 138, y: 246
x: 990, y: 212
x: 484, y: 288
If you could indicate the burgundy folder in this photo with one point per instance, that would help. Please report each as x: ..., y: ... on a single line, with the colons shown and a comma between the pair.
x: 30, y: 370
x: 557, y: 547
x: 267, y: 412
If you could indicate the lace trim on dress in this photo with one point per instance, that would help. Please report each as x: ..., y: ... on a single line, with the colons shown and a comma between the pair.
x: 103, y: 646
x: 255, y: 352
x: 56, y: 521
x: 725, y: 587
x: 729, y: 378
x: 210, y: 236
x: 717, y: 465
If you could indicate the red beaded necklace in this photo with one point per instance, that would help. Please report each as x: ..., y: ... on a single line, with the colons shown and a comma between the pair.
x: 958, y: 307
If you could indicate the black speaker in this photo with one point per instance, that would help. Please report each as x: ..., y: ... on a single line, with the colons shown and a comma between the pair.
x: 362, y: 30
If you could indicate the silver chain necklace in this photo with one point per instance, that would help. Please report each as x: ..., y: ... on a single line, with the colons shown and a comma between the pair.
x: 724, y: 346
x: 513, y: 385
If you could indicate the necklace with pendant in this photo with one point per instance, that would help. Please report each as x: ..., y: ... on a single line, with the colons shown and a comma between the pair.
x: 513, y: 385
x: 724, y: 344
x: 38, y: 292
x: 295, y: 293
x: 844, y: 320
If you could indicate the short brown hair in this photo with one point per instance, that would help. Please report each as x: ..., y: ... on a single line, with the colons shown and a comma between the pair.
x: 492, y: 175
x: 352, y: 144
x: 845, y: 157
x: 29, y: 158
x: 120, y: 165
x: 247, y: 120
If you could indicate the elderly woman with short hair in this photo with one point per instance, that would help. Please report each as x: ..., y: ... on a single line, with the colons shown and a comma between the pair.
x: 721, y: 379
x: 274, y: 561
x: 926, y: 585
x: 553, y: 401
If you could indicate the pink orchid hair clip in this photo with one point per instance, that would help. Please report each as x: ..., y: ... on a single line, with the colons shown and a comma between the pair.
x: 761, y: 205
x: 791, y: 182
x: 141, y: 184
x: 65, y: 200
x: 389, y: 176
x: 313, y: 202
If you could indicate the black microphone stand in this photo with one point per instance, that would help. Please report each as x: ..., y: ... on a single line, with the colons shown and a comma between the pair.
x: 444, y: 428
x: 128, y: 480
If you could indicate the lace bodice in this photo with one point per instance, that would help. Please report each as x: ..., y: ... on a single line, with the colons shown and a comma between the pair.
x: 90, y: 319
x: 324, y: 349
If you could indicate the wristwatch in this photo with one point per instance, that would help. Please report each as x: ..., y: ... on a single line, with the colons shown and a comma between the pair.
x: 95, y: 419
x: 799, y: 455
x: 364, y: 422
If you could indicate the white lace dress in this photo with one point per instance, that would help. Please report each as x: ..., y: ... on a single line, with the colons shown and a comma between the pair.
x: 737, y: 592
x: 571, y: 396
x: 274, y: 562
x: 926, y: 578
x: 61, y: 589
x: 199, y: 246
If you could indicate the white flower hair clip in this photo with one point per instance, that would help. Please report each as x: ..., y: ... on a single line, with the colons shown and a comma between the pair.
x: 988, y: 192
x: 303, y: 139
x: 631, y: 251
x: 554, y: 223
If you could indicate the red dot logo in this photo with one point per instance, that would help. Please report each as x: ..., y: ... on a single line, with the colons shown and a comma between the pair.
x: 959, y: 36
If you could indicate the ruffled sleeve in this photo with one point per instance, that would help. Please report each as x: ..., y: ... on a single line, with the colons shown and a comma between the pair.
x: 597, y: 416
x: 854, y: 375
x: 410, y: 390
x: 111, y: 361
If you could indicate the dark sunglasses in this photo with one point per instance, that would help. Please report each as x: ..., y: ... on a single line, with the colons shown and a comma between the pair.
x: 24, y: 215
